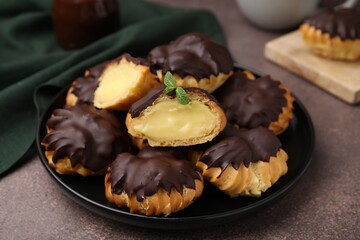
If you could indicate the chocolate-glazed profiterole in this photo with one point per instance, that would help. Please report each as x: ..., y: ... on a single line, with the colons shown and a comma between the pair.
x: 244, y: 162
x: 83, y: 140
x: 156, y: 181
x: 250, y: 102
x: 334, y: 33
x: 160, y: 120
x: 113, y: 85
x: 194, y: 60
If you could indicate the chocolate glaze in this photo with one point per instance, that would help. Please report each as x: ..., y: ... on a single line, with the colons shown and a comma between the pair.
x: 84, y: 87
x: 171, y: 152
x: 192, y: 54
x: 153, y: 94
x: 152, y: 169
x: 344, y: 23
x: 136, y: 60
x: 144, y: 102
x: 251, y: 103
x: 235, y: 146
x: 85, y: 135
x: 231, y: 150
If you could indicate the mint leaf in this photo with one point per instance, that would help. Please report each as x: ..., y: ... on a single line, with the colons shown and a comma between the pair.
x: 182, y: 96
x: 169, y: 89
x: 169, y: 80
x: 170, y: 86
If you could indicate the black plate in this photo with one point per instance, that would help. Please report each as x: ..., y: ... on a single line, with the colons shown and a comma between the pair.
x: 213, y: 207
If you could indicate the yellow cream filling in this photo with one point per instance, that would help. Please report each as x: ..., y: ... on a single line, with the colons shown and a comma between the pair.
x: 169, y: 120
x: 116, y: 82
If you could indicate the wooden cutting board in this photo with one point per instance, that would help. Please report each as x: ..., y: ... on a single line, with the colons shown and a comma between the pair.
x: 339, y: 78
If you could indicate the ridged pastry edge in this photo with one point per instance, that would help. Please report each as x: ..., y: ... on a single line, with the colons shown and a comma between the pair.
x: 247, y: 181
x: 63, y: 166
x: 161, y: 203
x: 286, y: 114
x: 330, y: 47
x: 209, y: 84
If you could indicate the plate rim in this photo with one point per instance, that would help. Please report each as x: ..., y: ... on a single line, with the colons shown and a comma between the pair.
x: 156, y: 222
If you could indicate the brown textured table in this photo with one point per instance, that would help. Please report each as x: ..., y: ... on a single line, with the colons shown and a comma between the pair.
x: 325, y: 204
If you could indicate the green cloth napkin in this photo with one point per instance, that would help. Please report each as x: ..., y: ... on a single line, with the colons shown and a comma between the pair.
x: 33, y: 68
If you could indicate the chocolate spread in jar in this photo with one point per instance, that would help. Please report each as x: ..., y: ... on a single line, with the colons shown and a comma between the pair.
x: 80, y: 22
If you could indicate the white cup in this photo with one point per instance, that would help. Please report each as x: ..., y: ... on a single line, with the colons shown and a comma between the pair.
x: 281, y: 14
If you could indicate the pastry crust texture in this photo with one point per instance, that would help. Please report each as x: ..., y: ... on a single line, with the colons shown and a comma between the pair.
x: 247, y: 181
x: 161, y: 203
x: 209, y: 84
x: 63, y: 166
x: 286, y: 115
x: 198, y: 97
x: 329, y: 47
x: 71, y: 98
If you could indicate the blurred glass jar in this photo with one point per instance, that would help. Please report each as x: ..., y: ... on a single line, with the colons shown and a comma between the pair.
x: 77, y: 23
